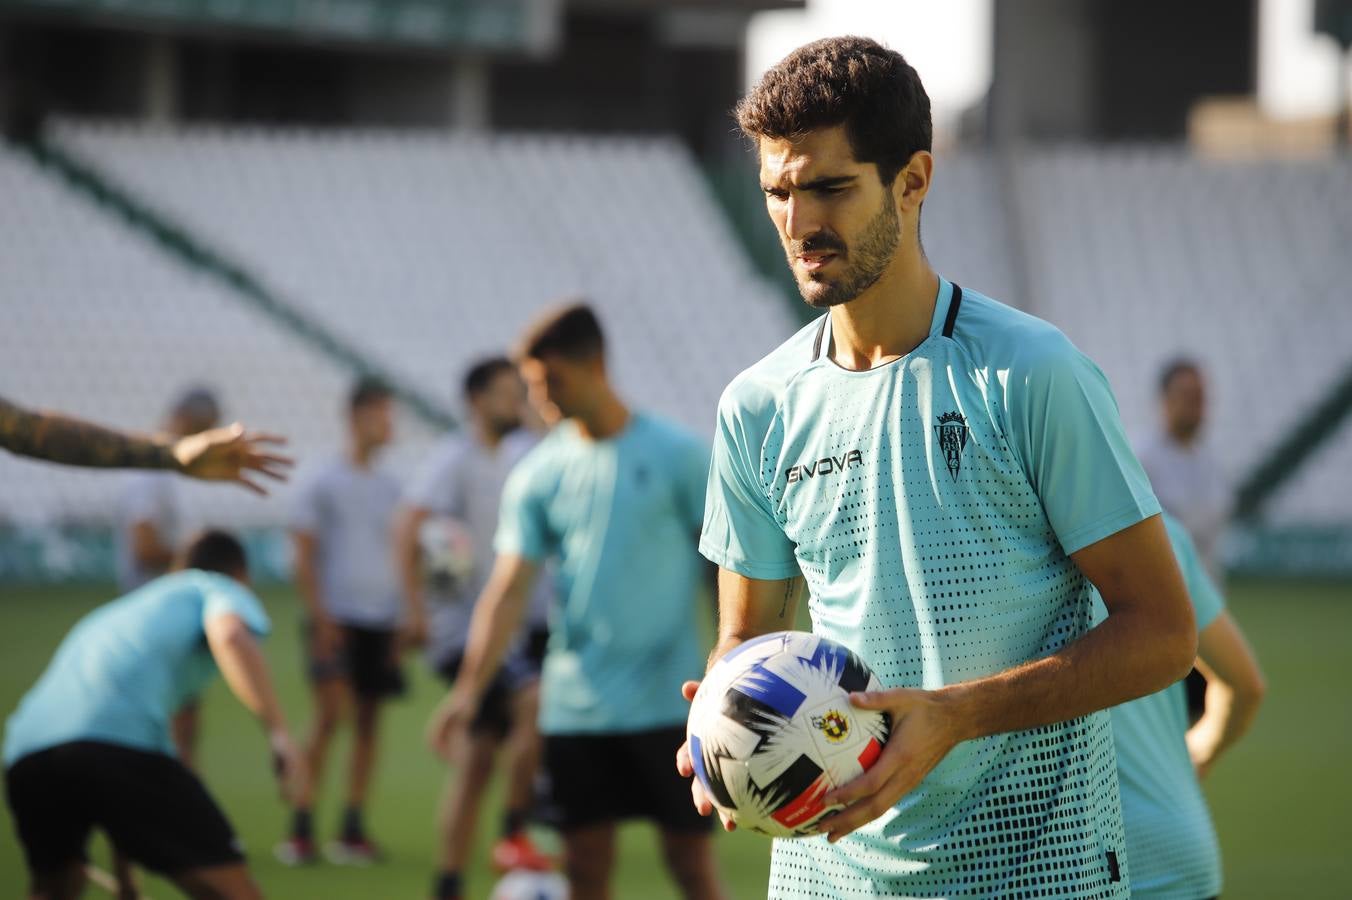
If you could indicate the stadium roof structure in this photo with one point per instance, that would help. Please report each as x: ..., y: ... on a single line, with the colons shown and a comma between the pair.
x: 487, y: 25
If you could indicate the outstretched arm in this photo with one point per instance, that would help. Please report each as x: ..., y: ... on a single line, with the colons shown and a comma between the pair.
x: 222, y: 454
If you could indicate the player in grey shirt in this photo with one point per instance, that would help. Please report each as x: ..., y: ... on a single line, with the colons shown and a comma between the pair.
x: 341, y: 524
x: 1185, y: 473
x: 149, y: 511
x: 445, y: 548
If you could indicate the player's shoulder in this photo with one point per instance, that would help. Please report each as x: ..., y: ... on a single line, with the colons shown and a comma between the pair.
x: 543, y: 455
x: 757, y: 390
x: 659, y: 429
x: 995, y: 333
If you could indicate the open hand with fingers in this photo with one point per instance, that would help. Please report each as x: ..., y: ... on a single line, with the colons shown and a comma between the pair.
x: 232, y: 454
x: 924, y: 730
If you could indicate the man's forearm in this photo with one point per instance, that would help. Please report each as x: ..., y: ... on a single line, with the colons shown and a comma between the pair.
x: 1119, y: 660
x: 406, y: 558
x: 62, y: 439
x: 245, y: 671
x: 496, y: 617
x: 748, y: 608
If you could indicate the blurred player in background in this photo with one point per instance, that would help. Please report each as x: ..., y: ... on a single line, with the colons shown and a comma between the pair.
x: 222, y: 454
x: 453, y: 505
x: 615, y: 497
x: 1185, y: 473
x: 1170, y: 839
x: 951, y: 478
x: 1188, y: 480
x: 89, y: 745
x: 342, y: 524
x: 150, y: 520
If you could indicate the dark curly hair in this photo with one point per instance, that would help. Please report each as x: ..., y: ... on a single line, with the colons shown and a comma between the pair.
x: 850, y: 81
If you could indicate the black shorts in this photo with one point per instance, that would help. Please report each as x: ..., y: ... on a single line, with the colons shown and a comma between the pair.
x: 368, y: 660
x: 151, y: 807
x: 525, y: 663
x: 594, y: 778
x: 494, y: 716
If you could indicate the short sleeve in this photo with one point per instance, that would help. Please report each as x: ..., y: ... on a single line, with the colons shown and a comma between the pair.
x: 741, y: 533
x: 435, y: 488
x: 523, y: 526
x: 307, y: 513
x: 1207, y: 601
x: 1065, y: 428
x: 225, y: 596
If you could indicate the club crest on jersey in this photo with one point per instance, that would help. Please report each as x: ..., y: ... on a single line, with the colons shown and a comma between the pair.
x: 952, y: 434
x: 834, y: 725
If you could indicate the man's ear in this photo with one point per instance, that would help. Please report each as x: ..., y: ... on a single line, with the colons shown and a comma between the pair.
x: 913, y: 181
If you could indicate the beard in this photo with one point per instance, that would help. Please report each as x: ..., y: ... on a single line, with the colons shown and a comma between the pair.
x: 876, y: 247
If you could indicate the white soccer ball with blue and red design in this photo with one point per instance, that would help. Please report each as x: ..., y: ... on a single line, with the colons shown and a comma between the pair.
x: 771, y: 730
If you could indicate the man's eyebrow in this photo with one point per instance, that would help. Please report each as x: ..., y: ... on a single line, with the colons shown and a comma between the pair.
x: 817, y: 184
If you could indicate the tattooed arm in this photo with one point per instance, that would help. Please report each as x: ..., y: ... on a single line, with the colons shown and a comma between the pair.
x: 222, y: 454
x: 62, y: 439
x: 748, y: 607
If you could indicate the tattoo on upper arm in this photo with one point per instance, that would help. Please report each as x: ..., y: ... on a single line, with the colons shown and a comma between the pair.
x: 790, y: 591
x: 62, y: 439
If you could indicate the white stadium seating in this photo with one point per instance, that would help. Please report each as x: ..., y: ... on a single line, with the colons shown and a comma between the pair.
x: 427, y: 250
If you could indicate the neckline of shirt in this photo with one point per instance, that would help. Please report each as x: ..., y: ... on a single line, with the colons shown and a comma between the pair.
x: 943, y: 298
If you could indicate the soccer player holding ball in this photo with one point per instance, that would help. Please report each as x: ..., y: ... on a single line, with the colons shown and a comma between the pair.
x: 952, y: 481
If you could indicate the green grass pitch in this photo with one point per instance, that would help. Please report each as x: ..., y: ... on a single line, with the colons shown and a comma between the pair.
x: 1280, y: 800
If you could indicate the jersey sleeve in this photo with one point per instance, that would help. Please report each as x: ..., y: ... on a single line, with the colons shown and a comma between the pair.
x: 1207, y: 601
x: 224, y: 596
x: 435, y: 488
x: 523, y: 526
x: 741, y: 533
x: 1065, y: 428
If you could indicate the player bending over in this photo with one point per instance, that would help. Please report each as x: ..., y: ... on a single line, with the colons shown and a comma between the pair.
x: 459, y: 490
x: 89, y: 745
x: 614, y: 497
x: 1170, y: 839
x: 952, y: 479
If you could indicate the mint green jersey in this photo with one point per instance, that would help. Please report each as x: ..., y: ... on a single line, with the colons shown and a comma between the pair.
x: 620, y: 518
x: 1170, y: 839
x: 931, y: 505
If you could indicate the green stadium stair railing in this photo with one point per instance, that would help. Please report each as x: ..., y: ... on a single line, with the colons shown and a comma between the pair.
x: 194, y: 252
x: 1319, y: 424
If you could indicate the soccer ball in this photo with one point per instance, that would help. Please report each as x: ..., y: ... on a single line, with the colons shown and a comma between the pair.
x: 771, y: 730
x: 523, y: 885
x: 447, y: 552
